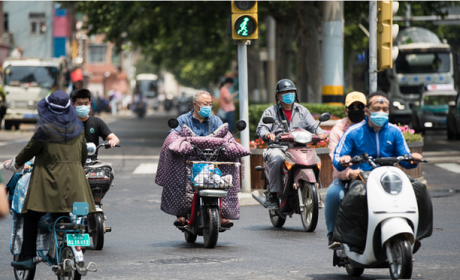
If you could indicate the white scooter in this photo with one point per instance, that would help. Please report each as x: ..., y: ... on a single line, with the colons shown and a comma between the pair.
x: 392, y: 224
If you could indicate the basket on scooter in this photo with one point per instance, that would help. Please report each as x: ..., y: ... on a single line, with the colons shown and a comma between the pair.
x: 100, y: 180
x: 209, y: 176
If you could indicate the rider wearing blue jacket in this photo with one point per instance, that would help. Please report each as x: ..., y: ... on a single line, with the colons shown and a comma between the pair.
x: 375, y: 136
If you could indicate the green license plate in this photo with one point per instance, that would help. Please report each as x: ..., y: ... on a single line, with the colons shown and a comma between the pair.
x: 78, y: 239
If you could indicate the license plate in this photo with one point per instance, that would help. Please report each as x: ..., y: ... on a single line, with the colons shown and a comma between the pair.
x: 78, y: 239
x: 30, y: 116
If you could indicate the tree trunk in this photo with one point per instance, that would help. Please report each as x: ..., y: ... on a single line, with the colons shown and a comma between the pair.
x: 309, y: 21
x: 285, y: 35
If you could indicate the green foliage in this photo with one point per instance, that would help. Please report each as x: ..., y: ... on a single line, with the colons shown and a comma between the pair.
x: 412, y: 137
x: 187, y: 38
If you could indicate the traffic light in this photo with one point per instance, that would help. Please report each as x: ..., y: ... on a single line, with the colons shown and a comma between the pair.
x: 386, y: 33
x: 244, y: 20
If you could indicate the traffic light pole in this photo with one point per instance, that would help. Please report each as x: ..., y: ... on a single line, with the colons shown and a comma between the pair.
x: 372, y: 46
x: 244, y: 115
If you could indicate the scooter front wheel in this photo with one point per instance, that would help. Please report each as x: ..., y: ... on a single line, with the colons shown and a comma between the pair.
x: 23, y: 274
x: 211, y: 232
x: 309, y: 213
x: 401, y: 256
x: 67, y: 253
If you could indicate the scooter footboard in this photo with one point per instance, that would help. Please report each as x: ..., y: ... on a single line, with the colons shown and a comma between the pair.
x: 394, y: 226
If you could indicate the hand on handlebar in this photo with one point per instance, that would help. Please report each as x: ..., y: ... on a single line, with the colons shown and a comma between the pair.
x: 416, y: 156
x: 270, y: 136
x: 345, y: 161
x: 113, y: 143
x: 322, y: 136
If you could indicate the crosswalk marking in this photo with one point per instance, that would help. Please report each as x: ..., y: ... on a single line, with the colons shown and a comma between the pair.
x: 452, y: 167
x: 146, y: 168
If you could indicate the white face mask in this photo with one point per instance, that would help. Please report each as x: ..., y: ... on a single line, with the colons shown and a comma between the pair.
x: 82, y: 111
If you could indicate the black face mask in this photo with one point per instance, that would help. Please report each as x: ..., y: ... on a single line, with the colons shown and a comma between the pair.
x: 356, y: 116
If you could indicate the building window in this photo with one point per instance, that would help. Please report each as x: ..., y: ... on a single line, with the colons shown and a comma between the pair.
x: 37, y: 23
x: 97, y: 53
x: 116, y: 58
x: 6, y: 27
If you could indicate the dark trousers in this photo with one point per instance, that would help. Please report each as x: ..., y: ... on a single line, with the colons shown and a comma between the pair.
x: 29, y: 246
x: 230, y: 120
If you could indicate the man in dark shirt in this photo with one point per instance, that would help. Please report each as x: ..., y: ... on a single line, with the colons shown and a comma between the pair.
x: 94, y: 126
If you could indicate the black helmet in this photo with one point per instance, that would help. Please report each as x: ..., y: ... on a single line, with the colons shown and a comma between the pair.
x: 285, y: 85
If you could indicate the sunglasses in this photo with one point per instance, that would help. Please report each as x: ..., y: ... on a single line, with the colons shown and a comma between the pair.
x: 355, y: 107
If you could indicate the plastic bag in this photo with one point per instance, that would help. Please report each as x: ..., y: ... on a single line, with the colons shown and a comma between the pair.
x: 20, y: 193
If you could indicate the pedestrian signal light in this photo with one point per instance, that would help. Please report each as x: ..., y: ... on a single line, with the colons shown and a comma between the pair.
x: 244, y: 20
x: 386, y: 33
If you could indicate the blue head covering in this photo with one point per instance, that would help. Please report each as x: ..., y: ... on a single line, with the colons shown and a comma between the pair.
x: 57, y: 119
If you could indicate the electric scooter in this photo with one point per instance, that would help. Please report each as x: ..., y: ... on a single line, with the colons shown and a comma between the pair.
x: 393, y: 219
x: 301, y: 176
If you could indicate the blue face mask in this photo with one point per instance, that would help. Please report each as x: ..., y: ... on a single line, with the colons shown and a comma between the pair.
x: 205, y: 111
x: 379, y: 118
x: 289, y: 98
x: 82, y: 111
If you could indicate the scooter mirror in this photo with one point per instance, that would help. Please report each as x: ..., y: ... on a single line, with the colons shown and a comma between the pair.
x: 91, y: 147
x: 173, y: 123
x: 324, y: 117
x: 267, y: 120
x: 241, y: 125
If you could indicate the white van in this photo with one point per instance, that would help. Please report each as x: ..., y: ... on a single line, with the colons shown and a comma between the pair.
x: 27, y: 81
x: 147, y: 85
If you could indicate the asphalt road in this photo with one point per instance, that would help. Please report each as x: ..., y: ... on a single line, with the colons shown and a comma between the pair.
x: 144, y: 244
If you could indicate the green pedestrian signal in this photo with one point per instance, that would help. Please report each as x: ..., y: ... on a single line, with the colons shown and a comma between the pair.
x: 245, y: 26
x: 244, y: 20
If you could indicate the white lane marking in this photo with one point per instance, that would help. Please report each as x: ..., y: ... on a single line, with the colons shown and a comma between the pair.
x: 146, y: 168
x: 452, y: 167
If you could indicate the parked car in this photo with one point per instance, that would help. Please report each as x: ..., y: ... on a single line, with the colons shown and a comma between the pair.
x: 430, y: 111
x: 453, y: 119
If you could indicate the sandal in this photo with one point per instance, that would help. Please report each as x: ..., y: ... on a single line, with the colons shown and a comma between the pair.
x: 180, y: 222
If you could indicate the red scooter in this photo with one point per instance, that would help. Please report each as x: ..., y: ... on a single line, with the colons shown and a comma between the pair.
x: 300, y: 176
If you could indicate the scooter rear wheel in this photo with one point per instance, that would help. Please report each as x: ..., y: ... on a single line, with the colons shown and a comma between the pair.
x: 211, y: 232
x: 354, y: 271
x: 277, y: 220
x: 401, y: 253
x: 97, y: 230
x: 309, y: 215
x: 189, y: 237
x: 23, y: 274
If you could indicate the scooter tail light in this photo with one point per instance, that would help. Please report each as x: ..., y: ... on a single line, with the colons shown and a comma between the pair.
x: 289, y: 164
x: 318, y: 165
x: 78, y: 248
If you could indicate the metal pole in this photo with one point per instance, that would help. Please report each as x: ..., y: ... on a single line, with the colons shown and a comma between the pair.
x: 372, y: 46
x: 244, y: 115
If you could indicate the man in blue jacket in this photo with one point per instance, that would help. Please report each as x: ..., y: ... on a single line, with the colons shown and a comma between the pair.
x: 375, y: 136
x: 199, y: 119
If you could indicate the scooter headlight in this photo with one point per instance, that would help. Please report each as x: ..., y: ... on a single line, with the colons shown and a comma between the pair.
x: 302, y: 137
x: 391, y: 183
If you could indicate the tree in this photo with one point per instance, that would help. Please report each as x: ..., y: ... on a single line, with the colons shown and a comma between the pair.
x: 188, y: 39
